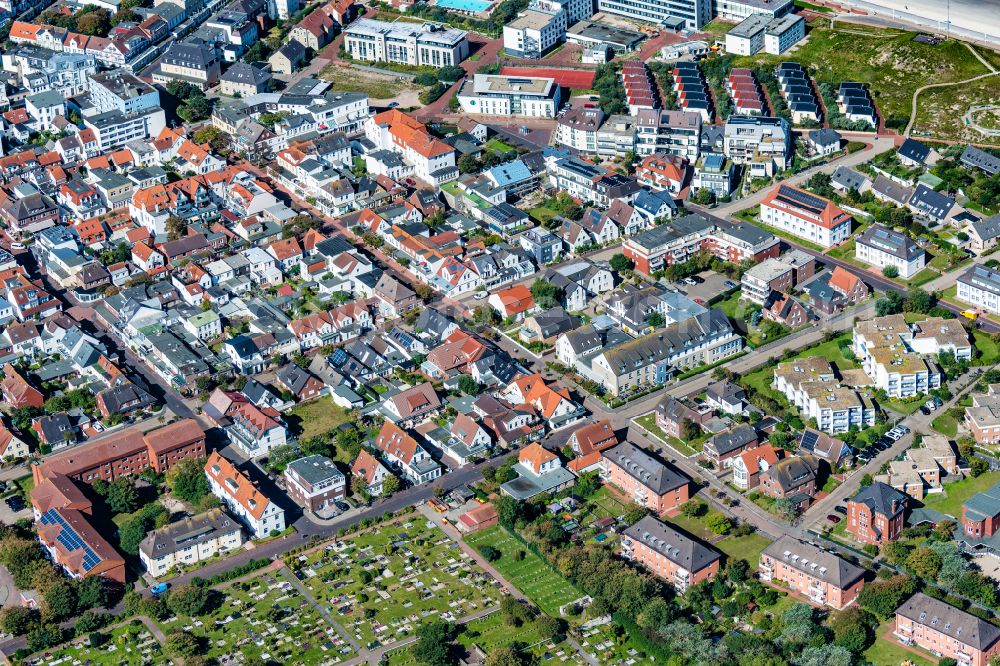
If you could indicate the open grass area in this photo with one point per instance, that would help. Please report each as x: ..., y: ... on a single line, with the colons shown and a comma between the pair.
x: 26, y: 483
x: 717, y: 27
x: 889, y: 60
x: 946, y: 424
x: 733, y: 307
x: 265, y: 615
x: 316, y: 417
x: 383, y: 585
x: 886, y: 653
x: 373, y: 84
x: 941, y: 111
x: 989, y: 350
x: 905, y: 407
x: 542, y: 214
x: 923, y: 277
x: 649, y: 423
x: 955, y: 494
x: 531, y: 575
x: 129, y: 645
x: 744, y: 548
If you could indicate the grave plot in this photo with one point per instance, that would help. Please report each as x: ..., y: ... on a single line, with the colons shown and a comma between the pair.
x: 129, y: 645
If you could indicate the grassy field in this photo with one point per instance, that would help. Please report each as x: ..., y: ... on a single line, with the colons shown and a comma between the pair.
x: 649, y: 423
x: 744, y: 548
x: 382, y: 586
x: 950, y: 501
x: 373, y: 84
x: 940, y: 111
x: 26, y: 484
x: 889, y: 60
x: 531, y: 575
x: 989, y: 350
x: 542, y: 214
x: 265, y: 615
x: 316, y: 417
x: 128, y: 645
x: 717, y: 27
x: 946, y: 424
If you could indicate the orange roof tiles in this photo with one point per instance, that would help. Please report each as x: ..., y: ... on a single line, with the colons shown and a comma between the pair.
x: 535, y: 455
x: 236, y: 485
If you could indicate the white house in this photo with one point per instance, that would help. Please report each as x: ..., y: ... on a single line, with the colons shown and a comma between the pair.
x: 238, y: 493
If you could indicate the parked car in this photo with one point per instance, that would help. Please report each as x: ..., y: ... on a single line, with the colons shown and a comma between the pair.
x: 480, y: 295
x: 903, y: 429
x: 938, y: 401
x: 924, y: 410
x: 841, y: 509
x: 690, y: 281
x: 864, y: 458
x: 833, y: 519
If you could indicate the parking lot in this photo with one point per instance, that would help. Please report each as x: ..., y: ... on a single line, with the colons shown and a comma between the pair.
x: 13, y: 509
x: 712, y: 284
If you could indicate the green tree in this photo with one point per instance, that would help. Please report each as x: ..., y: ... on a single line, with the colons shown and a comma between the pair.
x: 280, y: 456
x: 468, y: 164
x: 434, y: 645
x: 655, y: 319
x: 180, y: 643
x: 95, y: 24
x: 59, y: 601
x: 891, y: 303
x: 924, y: 562
x: 390, y: 485
x: 718, y: 523
x: 189, y: 600
x: 620, y: 263
x: 504, y: 656
x: 44, y: 637
x: 894, y: 552
x: 978, y: 466
x: 546, y: 295
x: 187, y: 480
x: 17, y: 620
x: 176, y: 228
x: 92, y: 592
x: 122, y: 495
x: 468, y: 385
x: 882, y: 597
x: 890, y: 272
x: 550, y: 628
x: 866, y: 480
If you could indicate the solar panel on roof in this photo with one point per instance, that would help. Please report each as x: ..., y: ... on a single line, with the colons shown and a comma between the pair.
x: 809, y: 440
x: 794, y: 197
x: 70, y: 540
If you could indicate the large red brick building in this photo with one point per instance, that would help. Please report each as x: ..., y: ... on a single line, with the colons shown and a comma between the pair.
x: 674, y: 557
x: 877, y: 514
x: 126, y: 453
x: 643, y: 479
x: 822, y: 577
x: 946, y: 631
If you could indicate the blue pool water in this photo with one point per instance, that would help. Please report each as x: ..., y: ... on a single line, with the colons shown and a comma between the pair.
x: 465, y: 5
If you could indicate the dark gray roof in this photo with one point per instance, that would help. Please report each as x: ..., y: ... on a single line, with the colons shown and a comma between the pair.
x: 242, y: 72
x: 555, y: 321
x: 987, y: 229
x: 683, y: 551
x: 315, y: 469
x: 293, y: 50
x: 931, y: 202
x: 892, y: 242
x: 187, y: 54
x: 825, y: 136
x: 725, y: 392
x: 672, y: 409
x: 980, y: 159
x: 814, y: 562
x: 648, y: 471
x: 735, y: 439
x: 879, y: 497
x: 950, y: 621
x: 188, y: 532
x: 914, y: 150
x: 892, y: 190
x: 792, y: 473
x: 848, y: 178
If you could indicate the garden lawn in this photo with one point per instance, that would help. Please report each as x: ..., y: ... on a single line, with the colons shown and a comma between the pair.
x: 316, y: 417
x: 128, y: 645
x: 732, y: 307
x: 694, y: 526
x: 744, y: 548
x: 532, y: 575
x: 989, y: 351
x: 26, y: 483
x: 923, y: 277
x: 606, y: 504
x: 649, y: 423
x: 238, y: 627
x: 955, y: 494
x: 903, y: 407
x: 946, y: 424
x: 403, y: 575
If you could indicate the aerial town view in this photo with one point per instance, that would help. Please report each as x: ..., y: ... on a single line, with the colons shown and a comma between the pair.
x: 500, y: 332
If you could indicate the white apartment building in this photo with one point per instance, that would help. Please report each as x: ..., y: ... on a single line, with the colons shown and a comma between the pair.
x: 882, y: 346
x: 534, y: 32
x: 810, y: 385
x: 747, y: 38
x: 405, y: 43
x: 433, y: 160
x: 588, y: 130
x: 784, y: 33
x: 496, y: 95
x: 114, y: 128
x: 189, y: 541
x: 675, y: 14
x: 677, y: 132
x: 737, y: 10
x: 238, y: 493
x: 805, y: 215
x: 120, y: 90
x: 980, y: 287
x: 880, y: 247
x: 765, y: 144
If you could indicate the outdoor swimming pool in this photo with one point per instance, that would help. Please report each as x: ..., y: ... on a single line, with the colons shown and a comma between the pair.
x: 470, y: 6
